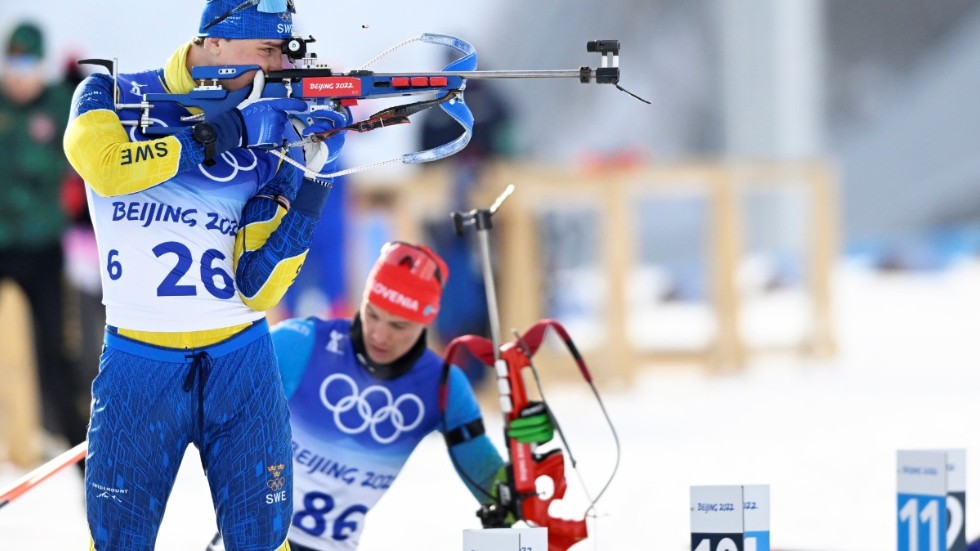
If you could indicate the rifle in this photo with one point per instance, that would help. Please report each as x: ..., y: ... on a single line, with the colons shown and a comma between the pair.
x: 517, y: 497
x: 322, y: 88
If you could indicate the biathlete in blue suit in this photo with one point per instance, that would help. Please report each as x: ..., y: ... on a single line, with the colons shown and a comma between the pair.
x: 364, y: 392
x: 199, y: 233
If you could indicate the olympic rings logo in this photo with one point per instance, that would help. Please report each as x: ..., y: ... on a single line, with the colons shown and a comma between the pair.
x: 232, y: 161
x: 275, y: 484
x: 371, y: 418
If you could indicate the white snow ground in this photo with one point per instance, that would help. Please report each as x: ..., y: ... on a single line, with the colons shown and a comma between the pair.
x: 823, y: 435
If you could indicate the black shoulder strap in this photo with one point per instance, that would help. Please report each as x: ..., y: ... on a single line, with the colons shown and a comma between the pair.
x: 465, y: 433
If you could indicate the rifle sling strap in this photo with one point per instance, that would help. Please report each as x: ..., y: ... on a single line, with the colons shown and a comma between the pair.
x: 465, y: 433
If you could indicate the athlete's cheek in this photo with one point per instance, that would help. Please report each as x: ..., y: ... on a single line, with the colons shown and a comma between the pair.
x: 275, y: 64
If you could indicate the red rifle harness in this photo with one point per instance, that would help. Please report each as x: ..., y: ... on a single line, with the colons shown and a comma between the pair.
x: 525, y: 465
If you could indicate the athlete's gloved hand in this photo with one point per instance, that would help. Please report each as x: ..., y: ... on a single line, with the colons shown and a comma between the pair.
x: 533, y: 425
x: 321, y: 155
x: 264, y: 120
x: 494, y: 514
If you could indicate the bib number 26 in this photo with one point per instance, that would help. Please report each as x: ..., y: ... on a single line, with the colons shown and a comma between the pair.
x: 216, y: 281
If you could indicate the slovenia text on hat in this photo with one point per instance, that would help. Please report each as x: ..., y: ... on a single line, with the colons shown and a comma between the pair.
x: 407, y: 281
x: 247, y: 19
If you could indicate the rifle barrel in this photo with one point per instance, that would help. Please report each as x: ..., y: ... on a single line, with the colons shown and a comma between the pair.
x: 544, y: 73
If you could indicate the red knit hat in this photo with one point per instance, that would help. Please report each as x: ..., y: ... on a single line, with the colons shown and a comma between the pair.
x: 407, y: 281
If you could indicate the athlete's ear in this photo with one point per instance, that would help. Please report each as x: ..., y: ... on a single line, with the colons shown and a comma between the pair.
x: 212, y: 45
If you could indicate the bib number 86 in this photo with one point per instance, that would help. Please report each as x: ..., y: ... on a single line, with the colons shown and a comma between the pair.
x: 312, y: 519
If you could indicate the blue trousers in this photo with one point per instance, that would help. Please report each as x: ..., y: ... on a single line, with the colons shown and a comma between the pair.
x: 150, y: 402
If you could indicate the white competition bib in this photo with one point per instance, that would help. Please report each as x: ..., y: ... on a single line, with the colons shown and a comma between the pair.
x: 166, y: 253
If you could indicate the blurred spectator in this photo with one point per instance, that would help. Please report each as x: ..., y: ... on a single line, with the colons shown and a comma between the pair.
x: 86, y: 314
x: 33, y: 115
x: 465, y: 308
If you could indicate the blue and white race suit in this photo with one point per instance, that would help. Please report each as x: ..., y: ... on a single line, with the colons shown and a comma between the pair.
x: 353, y: 432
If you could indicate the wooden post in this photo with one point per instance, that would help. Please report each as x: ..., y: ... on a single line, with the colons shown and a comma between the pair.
x: 618, y: 249
x: 19, y: 405
x: 825, y: 224
x: 729, y: 352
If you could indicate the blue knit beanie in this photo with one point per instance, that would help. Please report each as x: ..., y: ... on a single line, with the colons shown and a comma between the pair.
x: 247, y: 19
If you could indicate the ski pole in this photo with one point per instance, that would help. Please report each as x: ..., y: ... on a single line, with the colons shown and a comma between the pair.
x: 481, y: 219
x: 27, y: 482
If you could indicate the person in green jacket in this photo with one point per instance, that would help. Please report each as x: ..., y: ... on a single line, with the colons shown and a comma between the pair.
x: 33, y: 116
